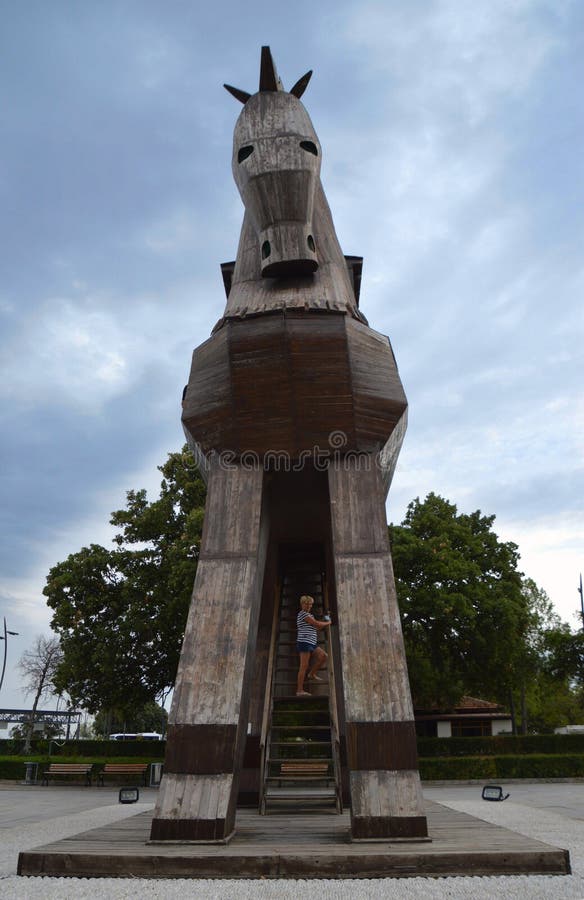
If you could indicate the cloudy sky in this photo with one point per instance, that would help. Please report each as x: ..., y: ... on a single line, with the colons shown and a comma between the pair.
x: 452, y: 161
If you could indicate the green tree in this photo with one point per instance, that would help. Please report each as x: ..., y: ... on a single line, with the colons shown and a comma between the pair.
x: 120, y: 613
x: 555, y: 692
x: 550, y: 671
x: 151, y: 717
x: 464, y: 613
x: 564, y: 655
x: 531, y: 683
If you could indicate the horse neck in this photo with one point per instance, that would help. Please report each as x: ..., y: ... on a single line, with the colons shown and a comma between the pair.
x: 330, y: 287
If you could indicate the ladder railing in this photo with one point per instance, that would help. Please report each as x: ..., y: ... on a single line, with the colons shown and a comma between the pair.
x: 268, y: 699
x: 333, y: 712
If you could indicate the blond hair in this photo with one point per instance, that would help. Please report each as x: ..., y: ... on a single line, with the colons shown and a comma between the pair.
x: 305, y: 600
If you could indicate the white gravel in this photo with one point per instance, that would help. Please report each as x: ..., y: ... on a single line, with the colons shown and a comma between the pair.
x: 537, y: 823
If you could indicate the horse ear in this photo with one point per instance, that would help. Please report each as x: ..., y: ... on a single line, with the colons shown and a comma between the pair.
x: 242, y: 96
x: 269, y: 78
x: 301, y: 85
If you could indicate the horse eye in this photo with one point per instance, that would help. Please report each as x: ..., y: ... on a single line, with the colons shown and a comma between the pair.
x: 309, y: 147
x: 244, y: 153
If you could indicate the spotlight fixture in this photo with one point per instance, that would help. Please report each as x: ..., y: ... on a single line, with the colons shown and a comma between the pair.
x: 493, y: 792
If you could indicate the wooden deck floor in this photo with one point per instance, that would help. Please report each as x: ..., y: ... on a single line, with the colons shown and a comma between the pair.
x: 306, y: 845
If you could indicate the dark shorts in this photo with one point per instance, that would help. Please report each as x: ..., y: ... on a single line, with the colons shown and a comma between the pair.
x: 305, y: 647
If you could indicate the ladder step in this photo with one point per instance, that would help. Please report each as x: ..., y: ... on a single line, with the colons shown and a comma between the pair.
x: 287, y: 733
x: 284, y: 704
x: 287, y: 641
x: 284, y: 668
x: 289, y: 793
x: 292, y: 727
x: 276, y: 777
x: 320, y: 760
x: 288, y: 726
x: 283, y: 723
x: 292, y: 698
x: 303, y: 717
x: 298, y: 569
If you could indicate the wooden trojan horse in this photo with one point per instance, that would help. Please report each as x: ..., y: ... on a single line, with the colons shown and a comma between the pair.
x: 296, y: 412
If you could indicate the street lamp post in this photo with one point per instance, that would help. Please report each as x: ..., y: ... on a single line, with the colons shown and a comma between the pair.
x: 5, y: 639
x: 581, y: 600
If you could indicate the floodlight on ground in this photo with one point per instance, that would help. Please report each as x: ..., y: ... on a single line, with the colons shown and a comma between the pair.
x: 129, y: 795
x: 493, y: 792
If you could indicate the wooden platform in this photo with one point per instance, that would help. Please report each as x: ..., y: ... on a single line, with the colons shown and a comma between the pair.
x: 298, y: 846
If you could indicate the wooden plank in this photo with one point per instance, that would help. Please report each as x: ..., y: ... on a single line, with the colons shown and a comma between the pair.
x: 312, y: 845
x: 386, y: 803
x: 208, y: 392
x: 395, y: 742
x: 375, y: 677
x: 221, y: 610
x: 378, y: 706
x: 232, y: 512
x: 380, y: 401
x: 286, y: 382
x: 200, y: 749
x: 359, y: 523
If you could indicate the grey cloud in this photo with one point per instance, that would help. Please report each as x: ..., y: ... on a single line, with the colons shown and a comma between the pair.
x: 451, y: 162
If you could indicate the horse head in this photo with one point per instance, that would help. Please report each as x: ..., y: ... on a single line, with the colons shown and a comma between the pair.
x: 276, y: 166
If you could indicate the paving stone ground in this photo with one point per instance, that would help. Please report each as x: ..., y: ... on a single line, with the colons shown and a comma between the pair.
x: 31, y: 816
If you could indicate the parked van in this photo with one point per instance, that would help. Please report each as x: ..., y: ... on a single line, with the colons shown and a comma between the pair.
x: 139, y: 736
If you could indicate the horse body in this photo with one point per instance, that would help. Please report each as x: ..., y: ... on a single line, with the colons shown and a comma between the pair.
x: 291, y: 370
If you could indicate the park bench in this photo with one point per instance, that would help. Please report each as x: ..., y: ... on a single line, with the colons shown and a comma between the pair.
x: 58, y: 770
x: 123, y: 769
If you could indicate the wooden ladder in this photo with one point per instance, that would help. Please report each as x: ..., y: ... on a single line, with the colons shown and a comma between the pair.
x: 300, y: 744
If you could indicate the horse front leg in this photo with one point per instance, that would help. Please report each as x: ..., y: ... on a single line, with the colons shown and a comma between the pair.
x: 208, y: 719
x: 386, y: 795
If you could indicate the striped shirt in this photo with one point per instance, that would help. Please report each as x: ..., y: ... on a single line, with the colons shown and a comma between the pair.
x: 306, y: 633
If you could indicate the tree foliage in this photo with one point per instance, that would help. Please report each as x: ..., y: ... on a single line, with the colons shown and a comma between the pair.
x: 464, y: 614
x: 120, y: 613
x: 149, y: 718
x: 473, y: 625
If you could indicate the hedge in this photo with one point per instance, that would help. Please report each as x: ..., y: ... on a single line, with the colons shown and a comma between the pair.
x: 456, y: 768
x: 517, y: 745
x: 86, y: 748
x: 500, y: 745
x: 471, y: 768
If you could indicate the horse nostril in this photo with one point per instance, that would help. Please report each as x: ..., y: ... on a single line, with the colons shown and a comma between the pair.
x: 310, y: 242
x: 266, y: 249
